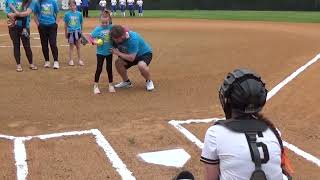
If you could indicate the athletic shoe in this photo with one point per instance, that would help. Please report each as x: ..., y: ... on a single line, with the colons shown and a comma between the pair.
x: 96, y: 89
x: 149, y: 85
x: 19, y: 68
x: 71, y: 63
x: 47, y: 64
x: 111, y: 88
x: 33, y: 67
x: 81, y: 63
x: 124, y: 84
x: 56, y: 65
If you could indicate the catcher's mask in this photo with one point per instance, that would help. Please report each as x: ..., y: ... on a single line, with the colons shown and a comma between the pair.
x: 242, y: 91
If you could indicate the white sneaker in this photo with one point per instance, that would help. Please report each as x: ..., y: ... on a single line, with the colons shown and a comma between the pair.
x: 56, y: 65
x: 96, y: 89
x: 81, y: 63
x: 47, y: 64
x: 111, y: 88
x: 71, y: 63
x: 149, y: 85
x: 124, y: 84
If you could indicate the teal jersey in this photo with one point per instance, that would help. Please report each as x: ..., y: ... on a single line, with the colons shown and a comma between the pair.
x: 136, y: 44
x: 18, y: 5
x: 103, y: 32
x: 73, y: 20
x: 46, y: 11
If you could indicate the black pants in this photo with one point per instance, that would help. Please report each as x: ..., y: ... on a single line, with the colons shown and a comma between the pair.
x: 49, y: 34
x: 23, y: 20
x: 132, y: 13
x: 15, y: 35
x: 85, y: 11
x: 100, y: 60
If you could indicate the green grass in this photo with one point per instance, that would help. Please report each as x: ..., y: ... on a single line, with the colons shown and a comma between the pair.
x: 275, y: 16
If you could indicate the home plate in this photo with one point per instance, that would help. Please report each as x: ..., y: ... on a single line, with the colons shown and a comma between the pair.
x: 36, y: 37
x: 175, y: 157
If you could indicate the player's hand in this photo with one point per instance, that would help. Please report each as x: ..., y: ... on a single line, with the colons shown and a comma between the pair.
x: 115, y: 51
x: 11, y: 16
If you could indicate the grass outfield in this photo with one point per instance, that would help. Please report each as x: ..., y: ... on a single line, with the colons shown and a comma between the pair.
x: 275, y: 16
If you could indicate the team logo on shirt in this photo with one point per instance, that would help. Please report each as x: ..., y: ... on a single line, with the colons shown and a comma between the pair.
x: 105, y: 35
x: 46, y: 9
x: 73, y: 21
x: 19, y: 6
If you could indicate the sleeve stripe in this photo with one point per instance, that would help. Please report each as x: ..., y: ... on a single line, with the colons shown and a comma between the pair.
x: 209, y: 161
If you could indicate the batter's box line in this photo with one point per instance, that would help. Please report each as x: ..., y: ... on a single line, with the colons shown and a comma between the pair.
x: 274, y: 91
x: 191, y: 137
x: 20, y: 154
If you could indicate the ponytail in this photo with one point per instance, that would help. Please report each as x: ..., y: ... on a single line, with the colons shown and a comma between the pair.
x: 285, y: 163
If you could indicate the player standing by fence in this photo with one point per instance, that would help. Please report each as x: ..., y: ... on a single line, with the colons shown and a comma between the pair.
x: 114, y: 7
x: 122, y: 4
x: 78, y: 3
x: 140, y: 7
x: 103, y: 5
x: 85, y: 8
x: 45, y: 17
x: 131, y: 7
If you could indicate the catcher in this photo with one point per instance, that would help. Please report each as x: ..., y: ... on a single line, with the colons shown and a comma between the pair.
x: 233, y: 147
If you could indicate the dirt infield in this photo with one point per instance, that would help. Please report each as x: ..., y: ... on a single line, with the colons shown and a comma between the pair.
x: 190, y: 59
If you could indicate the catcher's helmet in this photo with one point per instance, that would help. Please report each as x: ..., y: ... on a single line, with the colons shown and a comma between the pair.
x: 242, y: 91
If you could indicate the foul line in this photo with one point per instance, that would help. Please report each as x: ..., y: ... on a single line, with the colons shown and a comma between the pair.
x: 277, y: 88
x: 20, y: 154
x: 177, y: 124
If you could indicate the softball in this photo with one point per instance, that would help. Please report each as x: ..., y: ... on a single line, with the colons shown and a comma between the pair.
x: 99, y: 42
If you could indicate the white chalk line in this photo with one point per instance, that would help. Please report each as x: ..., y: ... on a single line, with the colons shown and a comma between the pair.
x: 59, y: 33
x: 35, y: 46
x: 117, y: 163
x: 277, y: 88
x: 21, y: 156
x: 191, y: 137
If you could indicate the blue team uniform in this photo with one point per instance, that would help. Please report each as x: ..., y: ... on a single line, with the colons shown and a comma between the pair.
x: 73, y: 20
x: 136, y: 44
x: 18, y: 5
x: 47, y: 12
x: 103, y: 32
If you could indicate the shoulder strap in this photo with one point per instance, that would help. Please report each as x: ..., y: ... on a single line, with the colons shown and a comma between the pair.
x: 243, y: 125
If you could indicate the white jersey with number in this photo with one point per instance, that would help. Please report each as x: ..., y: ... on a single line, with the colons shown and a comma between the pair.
x: 140, y: 2
x: 122, y: 2
x: 231, y: 151
x: 103, y: 3
x: 78, y: 2
x: 113, y: 2
x: 130, y: 2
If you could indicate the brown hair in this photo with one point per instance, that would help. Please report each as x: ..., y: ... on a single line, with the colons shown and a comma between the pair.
x: 72, y: 2
x: 106, y: 14
x: 117, y: 31
x: 271, y: 126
